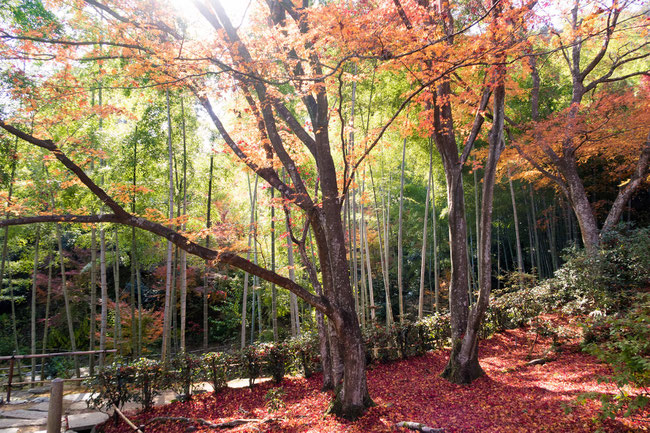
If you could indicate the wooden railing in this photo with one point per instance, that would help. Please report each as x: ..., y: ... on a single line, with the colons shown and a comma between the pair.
x: 13, y: 358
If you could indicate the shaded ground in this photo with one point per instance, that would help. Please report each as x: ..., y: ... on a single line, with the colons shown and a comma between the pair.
x: 512, y: 397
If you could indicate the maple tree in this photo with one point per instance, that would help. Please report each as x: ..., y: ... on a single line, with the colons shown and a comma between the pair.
x: 155, y: 51
x: 277, y: 95
x: 603, y: 47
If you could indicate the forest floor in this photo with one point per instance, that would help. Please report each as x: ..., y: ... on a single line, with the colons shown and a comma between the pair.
x: 513, y: 396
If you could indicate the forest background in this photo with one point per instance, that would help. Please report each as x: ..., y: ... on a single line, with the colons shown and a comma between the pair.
x: 364, y: 157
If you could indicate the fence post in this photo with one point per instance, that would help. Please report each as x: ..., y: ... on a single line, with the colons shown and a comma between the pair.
x: 55, y: 409
x: 11, y: 375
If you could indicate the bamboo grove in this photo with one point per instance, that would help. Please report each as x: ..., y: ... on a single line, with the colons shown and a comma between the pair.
x: 173, y: 180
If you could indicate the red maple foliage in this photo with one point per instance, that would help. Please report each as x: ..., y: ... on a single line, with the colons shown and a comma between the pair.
x: 512, y: 397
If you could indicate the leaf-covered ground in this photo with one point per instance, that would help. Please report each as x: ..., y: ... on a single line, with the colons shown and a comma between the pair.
x: 512, y: 397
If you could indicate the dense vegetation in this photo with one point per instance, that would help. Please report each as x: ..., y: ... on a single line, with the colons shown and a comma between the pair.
x: 323, y: 187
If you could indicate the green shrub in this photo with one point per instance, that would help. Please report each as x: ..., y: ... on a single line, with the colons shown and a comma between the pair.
x: 624, y: 342
x: 607, y: 282
x: 513, y: 309
x: 214, y: 368
x: 275, y: 356
x: 380, y: 343
x: 148, y: 381
x: 304, y: 352
x: 251, y: 363
x: 183, y: 372
x: 112, y: 386
x: 433, y: 331
x: 275, y: 399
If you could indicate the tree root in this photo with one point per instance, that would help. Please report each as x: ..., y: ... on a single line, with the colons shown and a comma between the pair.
x: 228, y: 424
x: 419, y: 427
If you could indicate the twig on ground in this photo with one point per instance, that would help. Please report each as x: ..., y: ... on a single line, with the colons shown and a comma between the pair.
x: 126, y: 420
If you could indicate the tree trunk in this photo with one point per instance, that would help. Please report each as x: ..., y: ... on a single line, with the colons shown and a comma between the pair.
x: 384, y: 265
x: 207, y: 263
x: 463, y: 366
x: 444, y: 136
x: 168, y: 281
x: 14, y: 326
x: 104, y: 295
x: 293, y: 302
x: 434, y: 223
x: 626, y: 193
x: 183, y: 270
x: 134, y: 340
x: 93, y: 299
x: 520, y: 259
x: 252, y: 195
x: 536, y: 239
x: 66, y: 300
x: 139, y: 282
x: 33, y: 308
x: 274, y: 308
x: 425, y: 233
x: 46, y: 321
x: 116, y: 285
x: 400, y: 247
x: 477, y: 217
x: 371, y: 291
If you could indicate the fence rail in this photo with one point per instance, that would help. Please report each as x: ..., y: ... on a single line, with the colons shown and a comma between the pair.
x: 13, y: 358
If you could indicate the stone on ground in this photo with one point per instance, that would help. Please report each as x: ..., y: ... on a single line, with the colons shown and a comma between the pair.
x: 22, y: 413
x: 86, y: 421
x: 42, y: 407
x: 12, y: 422
x: 80, y: 396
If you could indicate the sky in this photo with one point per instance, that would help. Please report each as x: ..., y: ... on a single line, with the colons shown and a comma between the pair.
x: 237, y: 11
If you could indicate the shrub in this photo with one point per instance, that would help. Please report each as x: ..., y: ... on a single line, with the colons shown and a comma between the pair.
x: 214, y: 368
x: 607, y: 282
x: 305, y: 352
x: 274, y: 399
x: 148, y: 381
x: 275, y: 355
x: 513, y: 309
x: 380, y: 343
x: 433, y: 331
x: 112, y: 386
x: 184, y: 371
x: 251, y: 363
x: 623, y: 342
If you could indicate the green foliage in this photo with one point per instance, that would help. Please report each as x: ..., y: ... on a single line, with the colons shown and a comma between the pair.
x: 433, y: 331
x: 214, y: 368
x: 148, y: 381
x: 275, y: 356
x: 59, y: 366
x: 7, y: 346
x: 380, y: 343
x: 112, y: 386
x: 29, y: 14
x: 305, y: 352
x: 274, y: 399
x: 408, y: 339
x: 624, y: 342
x: 513, y: 307
x: 607, y: 282
x: 251, y: 363
x: 184, y: 371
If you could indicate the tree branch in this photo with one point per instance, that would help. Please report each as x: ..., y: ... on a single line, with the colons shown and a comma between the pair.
x: 476, y: 127
x: 121, y: 216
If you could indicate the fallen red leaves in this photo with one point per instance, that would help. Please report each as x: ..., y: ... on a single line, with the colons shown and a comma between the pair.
x: 512, y: 397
